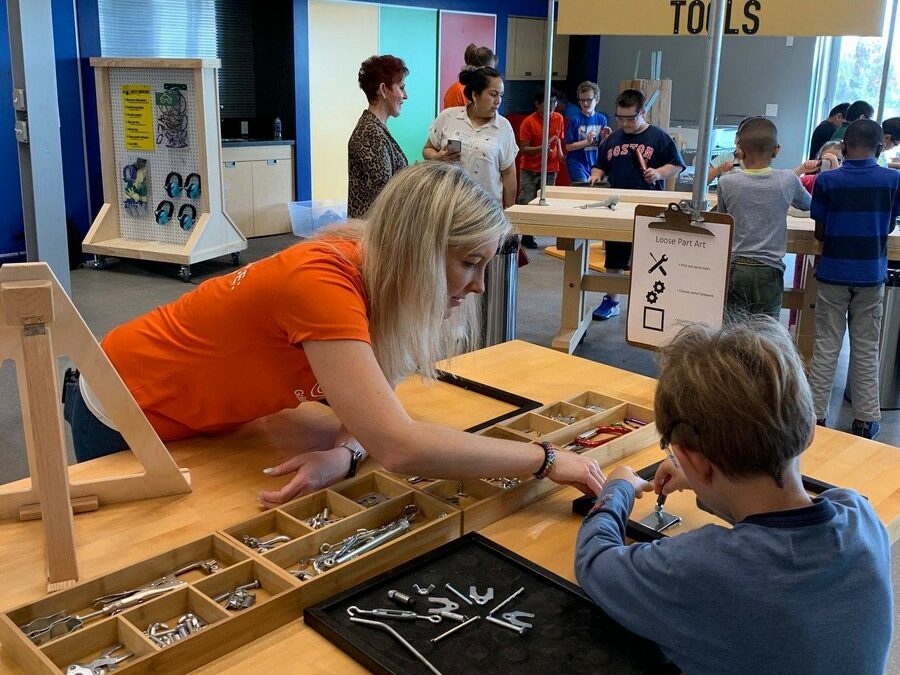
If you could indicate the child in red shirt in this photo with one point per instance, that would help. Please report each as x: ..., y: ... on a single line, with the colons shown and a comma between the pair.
x: 531, y: 138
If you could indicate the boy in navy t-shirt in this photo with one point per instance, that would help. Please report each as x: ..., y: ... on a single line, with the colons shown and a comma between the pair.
x: 585, y: 129
x: 855, y: 208
x: 637, y: 156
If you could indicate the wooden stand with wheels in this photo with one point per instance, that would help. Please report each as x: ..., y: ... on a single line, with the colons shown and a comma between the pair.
x: 32, y: 302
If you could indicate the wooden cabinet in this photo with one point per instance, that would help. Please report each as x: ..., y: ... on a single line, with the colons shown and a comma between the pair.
x: 525, y: 54
x: 259, y: 185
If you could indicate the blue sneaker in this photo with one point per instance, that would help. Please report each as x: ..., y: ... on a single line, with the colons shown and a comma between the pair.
x: 866, y: 429
x: 607, y: 309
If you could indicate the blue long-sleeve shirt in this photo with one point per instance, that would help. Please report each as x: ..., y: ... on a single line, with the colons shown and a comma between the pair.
x: 800, y: 591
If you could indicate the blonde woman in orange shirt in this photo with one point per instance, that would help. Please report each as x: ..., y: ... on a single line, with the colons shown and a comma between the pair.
x: 345, y: 316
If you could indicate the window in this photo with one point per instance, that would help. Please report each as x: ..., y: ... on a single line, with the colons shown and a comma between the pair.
x: 860, y: 66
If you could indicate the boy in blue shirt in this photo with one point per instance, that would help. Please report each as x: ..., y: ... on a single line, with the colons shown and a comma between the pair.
x: 855, y: 208
x: 636, y: 156
x: 798, y: 584
x: 585, y: 129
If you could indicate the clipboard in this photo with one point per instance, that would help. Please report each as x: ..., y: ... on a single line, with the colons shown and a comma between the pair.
x: 679, y: 271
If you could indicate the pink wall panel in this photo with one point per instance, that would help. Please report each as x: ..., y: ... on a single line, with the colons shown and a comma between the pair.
x: 457, y: 31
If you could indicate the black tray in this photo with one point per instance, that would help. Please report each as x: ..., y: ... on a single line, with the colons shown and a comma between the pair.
x: 570, y: 633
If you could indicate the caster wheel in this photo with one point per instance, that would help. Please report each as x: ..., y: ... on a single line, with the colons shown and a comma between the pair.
x: 236, y: 259
x: 100, y: 262
x: 185, y: 273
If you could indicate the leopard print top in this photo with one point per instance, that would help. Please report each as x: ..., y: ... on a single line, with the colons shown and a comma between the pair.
x: 373, y: 157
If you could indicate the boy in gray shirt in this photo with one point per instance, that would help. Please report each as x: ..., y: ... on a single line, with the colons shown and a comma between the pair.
x: 758, y: 198
x: 798, y: 584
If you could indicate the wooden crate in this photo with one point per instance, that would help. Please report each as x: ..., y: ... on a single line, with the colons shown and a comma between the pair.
x: 279, y: 601
x: 485, y: 501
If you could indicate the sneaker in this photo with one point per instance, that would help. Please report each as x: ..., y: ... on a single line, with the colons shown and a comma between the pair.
x: 866, y: 429
x: 607, y: 309
x: 528, y: 241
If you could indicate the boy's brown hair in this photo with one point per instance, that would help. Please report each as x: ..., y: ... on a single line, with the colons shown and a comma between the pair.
x: 738, y: 395
x: 758, y: 136
x: 588, y: 87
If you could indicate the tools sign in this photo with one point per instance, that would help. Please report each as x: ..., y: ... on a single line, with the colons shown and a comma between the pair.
x: 679, y: 273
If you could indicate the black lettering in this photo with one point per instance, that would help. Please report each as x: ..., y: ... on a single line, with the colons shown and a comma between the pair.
x: 753, y: 27
x: 696, y: 17
x: 677, y: 4
x: 728, y: 29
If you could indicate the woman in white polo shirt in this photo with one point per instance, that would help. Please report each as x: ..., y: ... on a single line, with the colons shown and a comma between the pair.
x: 487, y: 143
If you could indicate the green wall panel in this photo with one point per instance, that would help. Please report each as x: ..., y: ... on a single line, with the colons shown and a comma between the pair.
x: 411, y: 34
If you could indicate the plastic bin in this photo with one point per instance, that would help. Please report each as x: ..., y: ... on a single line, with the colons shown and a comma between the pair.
x: 309, y: 217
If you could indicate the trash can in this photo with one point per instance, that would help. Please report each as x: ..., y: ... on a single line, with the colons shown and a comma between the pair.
x: 499, y: 301
x: 889, y: 345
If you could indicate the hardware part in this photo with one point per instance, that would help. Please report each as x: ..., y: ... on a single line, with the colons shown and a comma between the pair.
x: 481, y: 599
x: 163, y: 636
x: 454, y: 629
x: 240, y: 597
x: 509, y: 599
x: 371, y: 499
x: 456, y: 592
x: 515, y: 619
x: 660, y: 520
x: 595, y: 408
x: 401, y: 598
x: 261, y: 545
x: 401, y: 614
x: 608, y: 203
x: 452, y: 616
x: 446, y: 605
x: 423, y: 591
x: 564, y: 419
x: 206, y: 566
x: 412, y: 480
x: 508, y: 626
x: 505, y: 483
x: 385, y: 627
x: 321, y: 519
x: 101, y: 665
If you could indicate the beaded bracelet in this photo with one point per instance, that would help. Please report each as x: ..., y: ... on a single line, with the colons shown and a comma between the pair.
x: 549, y: 460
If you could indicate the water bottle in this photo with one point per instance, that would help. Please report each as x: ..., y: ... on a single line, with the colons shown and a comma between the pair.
x: 277, y: 128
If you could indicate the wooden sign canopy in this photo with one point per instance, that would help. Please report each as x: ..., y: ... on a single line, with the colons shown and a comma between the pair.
x: 812, y: 18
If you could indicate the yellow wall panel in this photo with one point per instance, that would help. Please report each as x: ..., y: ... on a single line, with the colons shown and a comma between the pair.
x: 341, y: 36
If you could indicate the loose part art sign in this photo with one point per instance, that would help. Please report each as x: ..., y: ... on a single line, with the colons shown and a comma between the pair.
x: 679, y: 275
x: 742, y: 17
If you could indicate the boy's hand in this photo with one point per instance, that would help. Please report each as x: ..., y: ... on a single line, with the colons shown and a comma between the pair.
x: 595, y: 178
x: 604, y: 133
x: 627, y: 473
x: 677, y: 481
x: 724, y: 168
x: 652, y: 175
x: 590, y: 137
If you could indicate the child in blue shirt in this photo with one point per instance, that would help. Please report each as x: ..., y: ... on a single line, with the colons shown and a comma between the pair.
x: 585, y: 129
x: 798, y: 584
x: 855, y: 208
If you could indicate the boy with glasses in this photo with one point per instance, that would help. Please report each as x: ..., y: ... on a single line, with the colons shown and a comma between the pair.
x: 798, y: 584
x: 637, y: 156
x: 584, y: 132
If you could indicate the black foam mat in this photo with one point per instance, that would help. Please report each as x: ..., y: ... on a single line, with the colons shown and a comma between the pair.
x: 570, y: 634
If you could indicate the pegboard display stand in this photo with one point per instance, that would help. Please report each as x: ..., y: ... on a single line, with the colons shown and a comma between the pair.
x: 125, y: 233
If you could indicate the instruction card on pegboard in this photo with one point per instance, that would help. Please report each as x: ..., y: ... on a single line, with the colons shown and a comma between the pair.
x: 137, y: 117
x: 679, y: 273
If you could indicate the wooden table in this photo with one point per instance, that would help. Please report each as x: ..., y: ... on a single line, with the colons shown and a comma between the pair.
x: 227, y: 474
x: 574, y: 228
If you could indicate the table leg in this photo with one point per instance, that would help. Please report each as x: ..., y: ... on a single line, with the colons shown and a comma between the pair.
x: 574, y: 320
x: 806, y: 319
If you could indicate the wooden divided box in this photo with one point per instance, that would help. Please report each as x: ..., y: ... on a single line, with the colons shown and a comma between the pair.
x: 484, y: 501
x: 279, y: 596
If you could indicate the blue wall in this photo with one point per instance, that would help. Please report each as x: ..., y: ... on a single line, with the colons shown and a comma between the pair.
x: 11, y: 228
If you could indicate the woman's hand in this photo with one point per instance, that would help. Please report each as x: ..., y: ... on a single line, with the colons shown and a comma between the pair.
x: 627, y: 473
x: 578, y: 471
x: 445, y: 155
x: 676, y: 478
x: 315, y: 470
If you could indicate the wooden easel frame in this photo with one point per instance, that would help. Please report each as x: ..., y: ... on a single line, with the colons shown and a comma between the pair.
x: 38, y: 323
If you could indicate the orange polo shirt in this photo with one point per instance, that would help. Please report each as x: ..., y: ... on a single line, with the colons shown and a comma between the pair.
x: 455, y: 96
x: 230, y: 351
x: 532, y: 131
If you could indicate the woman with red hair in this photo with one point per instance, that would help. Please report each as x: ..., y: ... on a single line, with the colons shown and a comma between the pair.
x: 373, y: 154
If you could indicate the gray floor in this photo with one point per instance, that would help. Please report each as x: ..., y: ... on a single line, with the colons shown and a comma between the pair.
x: 109, y: 297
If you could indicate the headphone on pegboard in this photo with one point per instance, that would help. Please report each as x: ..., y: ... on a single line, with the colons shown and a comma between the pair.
x: 187, y: 216
x: 165, y: 211
x: 192, y: 185
x: 174, y: 184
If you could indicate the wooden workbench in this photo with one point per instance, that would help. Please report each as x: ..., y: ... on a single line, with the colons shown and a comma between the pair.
x: 574, y: 228
x: 227, y: 474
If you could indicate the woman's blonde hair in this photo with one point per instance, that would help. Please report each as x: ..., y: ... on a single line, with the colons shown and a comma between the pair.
x: 424, y: 211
